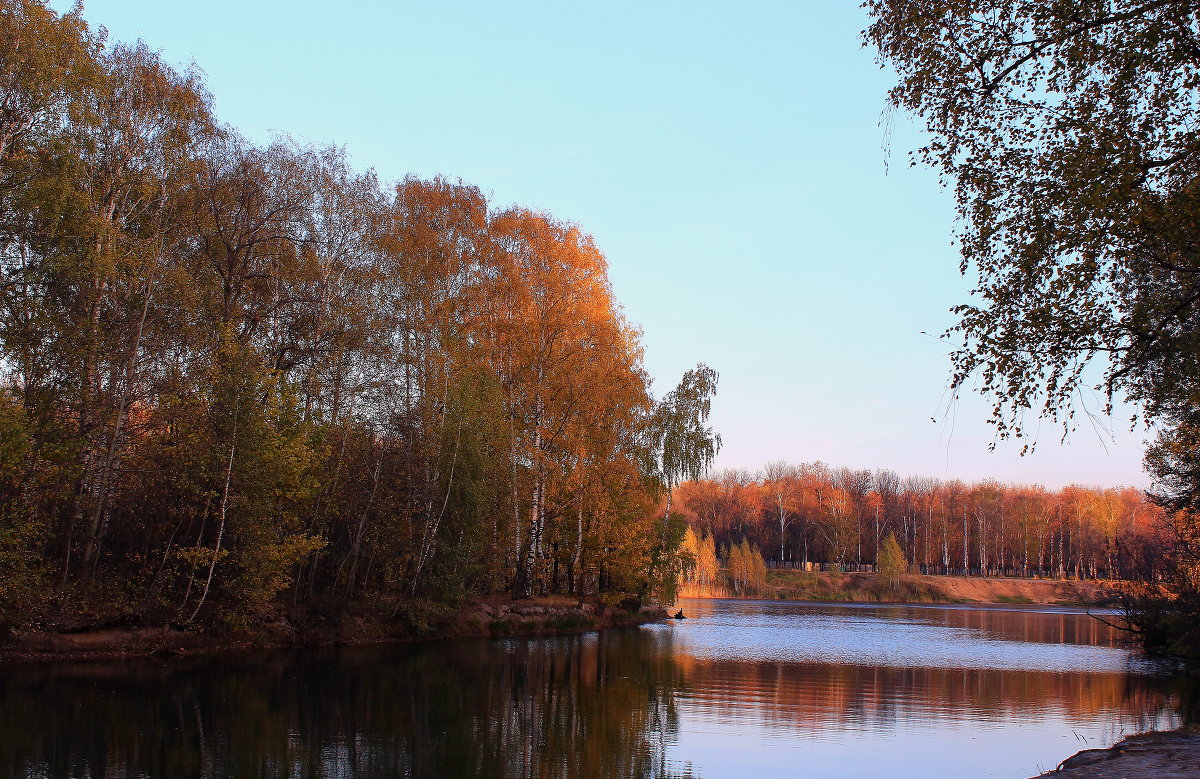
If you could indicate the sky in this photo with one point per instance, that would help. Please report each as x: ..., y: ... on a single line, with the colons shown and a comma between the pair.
x: 735, y: 163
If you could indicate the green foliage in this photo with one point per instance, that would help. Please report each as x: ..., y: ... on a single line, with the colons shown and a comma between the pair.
x: 423, y: 617
x: 892, y: 562
x: 679, y: 446
x: 1165, y: 622
x: 20, y: 574
x: 666, y: 573
x: 1174, y: 458
x: 260, y: 469
x: 685, y: 446
x: 471, y: 483
x: 1066, y: 132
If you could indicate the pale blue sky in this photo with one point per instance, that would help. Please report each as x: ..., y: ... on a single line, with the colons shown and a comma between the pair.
x: 728, y: 158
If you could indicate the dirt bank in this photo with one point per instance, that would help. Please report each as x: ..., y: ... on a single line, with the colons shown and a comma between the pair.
x: 477, y: 618
x: 1166, y: 755
x: 914, y: 588
x: 971, y: 590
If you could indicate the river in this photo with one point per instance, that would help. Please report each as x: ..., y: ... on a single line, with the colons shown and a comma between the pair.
x: 740, y: 688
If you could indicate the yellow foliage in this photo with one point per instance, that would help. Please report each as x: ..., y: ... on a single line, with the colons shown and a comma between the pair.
x: 747, y: 569
x: 196, y: 556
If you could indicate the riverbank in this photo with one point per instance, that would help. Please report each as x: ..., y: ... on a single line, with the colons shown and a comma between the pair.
x: 916, y: 588
x: 1171, y: 754
x: 416, y: 621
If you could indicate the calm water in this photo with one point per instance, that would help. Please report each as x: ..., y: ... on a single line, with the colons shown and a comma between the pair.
x: 741, y: 688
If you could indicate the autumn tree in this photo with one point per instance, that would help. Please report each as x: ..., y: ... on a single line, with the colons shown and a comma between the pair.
x: 745, y: 568
x: 233, y: 373
x: 567, y: 364
x: 48, y: 63
x: 988, y: 528
x: 708, y: 567
x: 442, y: 413
x: 781, y: 485
x: 838, y: 520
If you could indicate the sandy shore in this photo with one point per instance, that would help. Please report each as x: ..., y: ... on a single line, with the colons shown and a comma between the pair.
x: 1162, y: 755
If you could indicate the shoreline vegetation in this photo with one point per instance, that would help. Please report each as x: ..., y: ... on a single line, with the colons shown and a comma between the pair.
x: 866, y: 587
x: 492, y: 617
x: 500, y: 616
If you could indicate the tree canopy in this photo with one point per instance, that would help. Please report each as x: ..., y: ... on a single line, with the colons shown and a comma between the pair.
x: 685, y: 445
x: 234, y: 372
x: 1067, y: 132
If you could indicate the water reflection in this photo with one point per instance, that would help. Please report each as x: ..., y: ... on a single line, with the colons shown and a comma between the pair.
x: 578, y: 706
x: 906, y: 636
x: 786, y: 689
x: 741, y: 688
x: 858, y: 698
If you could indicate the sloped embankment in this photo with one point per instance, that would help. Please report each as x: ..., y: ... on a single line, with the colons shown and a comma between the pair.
x: 915, y: 588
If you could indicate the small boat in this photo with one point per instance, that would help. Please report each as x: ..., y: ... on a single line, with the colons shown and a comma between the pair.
x: 679, y: 615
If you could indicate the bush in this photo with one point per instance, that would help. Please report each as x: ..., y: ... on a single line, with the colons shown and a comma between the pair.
x: 891, y: 561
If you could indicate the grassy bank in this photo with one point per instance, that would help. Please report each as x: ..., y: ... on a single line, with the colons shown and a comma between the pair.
x: 414, y: 620
x: 914, y: 588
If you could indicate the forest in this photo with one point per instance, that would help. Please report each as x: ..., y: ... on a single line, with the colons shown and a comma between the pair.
x: 236, y: 375
x: 813, y: 515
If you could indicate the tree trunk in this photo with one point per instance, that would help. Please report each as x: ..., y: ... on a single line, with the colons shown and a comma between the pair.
x: 220, y: 529
x: 578, y: 556
x: 966, y: 557
x: 106, y: 467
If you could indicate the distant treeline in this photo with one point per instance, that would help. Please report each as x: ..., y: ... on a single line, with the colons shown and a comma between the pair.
x: 235, y: 374
x: 813, y: 513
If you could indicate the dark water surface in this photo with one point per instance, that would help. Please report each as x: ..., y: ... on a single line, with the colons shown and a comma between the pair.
x: 742, y: 688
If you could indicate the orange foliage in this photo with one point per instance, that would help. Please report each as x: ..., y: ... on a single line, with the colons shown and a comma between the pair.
x: 812, y: 513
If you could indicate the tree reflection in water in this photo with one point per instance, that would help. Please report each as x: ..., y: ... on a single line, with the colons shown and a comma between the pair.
x: 594, y: 705
x: 820, y: 684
